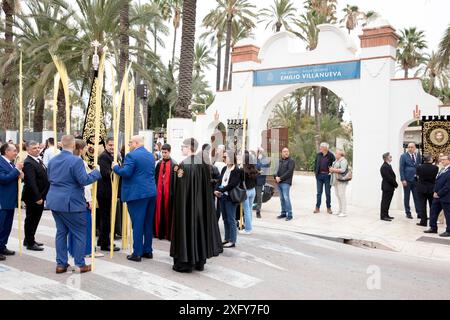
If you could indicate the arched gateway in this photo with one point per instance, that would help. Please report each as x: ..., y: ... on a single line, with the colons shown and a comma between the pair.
x: 363, y: 77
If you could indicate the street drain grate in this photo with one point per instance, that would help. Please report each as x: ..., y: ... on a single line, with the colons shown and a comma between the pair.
x: 434, y: 240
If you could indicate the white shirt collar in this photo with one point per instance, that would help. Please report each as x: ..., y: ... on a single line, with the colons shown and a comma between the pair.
x: 33, y: 157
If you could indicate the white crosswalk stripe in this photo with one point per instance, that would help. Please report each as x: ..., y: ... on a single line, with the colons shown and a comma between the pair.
x: 30, y: 286
x: 233, y: 278
x: 137, y: 279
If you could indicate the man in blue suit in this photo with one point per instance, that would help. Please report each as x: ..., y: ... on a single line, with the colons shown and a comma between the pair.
x: 409, y: 161
x: 67, y: 176
x: 441, y: 198
x: 9, y: 174
x: 139, y: 192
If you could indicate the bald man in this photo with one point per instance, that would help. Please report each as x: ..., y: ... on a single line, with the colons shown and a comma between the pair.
x: 139, y: 192
x: 67, y: 176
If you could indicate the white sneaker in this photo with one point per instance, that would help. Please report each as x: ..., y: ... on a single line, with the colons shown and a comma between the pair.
x: 342, y: 215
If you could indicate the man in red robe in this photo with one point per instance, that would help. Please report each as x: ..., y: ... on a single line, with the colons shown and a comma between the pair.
x: 164, y: 175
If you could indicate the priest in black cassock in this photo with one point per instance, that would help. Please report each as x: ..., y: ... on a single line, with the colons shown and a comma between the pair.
x: 195, y: 230
x: 165, y: 188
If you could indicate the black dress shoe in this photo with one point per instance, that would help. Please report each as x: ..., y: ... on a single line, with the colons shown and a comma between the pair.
x: 7, y: 252
x: 109, y: 248
x: 134, y: 258
x: 200, y: 267
x: 422, y: 224
x: 182, y: 270
x: 282, y: 216
x: 445, y: 234
x: 386, y: 219
x: 389, y: 217
x: 147, y: 255
x: 409, y: 216
x: 35, y: 247
x: 430, y: 231
x: 2, y: 257
x: 258, y: 214
x: 39, y: 244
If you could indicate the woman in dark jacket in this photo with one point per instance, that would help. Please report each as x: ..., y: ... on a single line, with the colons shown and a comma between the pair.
x: 230, y: 178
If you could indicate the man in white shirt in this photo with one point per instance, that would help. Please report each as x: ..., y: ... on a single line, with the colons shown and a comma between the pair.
x: 50, y: 152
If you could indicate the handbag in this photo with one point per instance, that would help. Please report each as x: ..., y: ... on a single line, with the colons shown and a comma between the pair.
x: 345, y: 176
x: 237, y: 195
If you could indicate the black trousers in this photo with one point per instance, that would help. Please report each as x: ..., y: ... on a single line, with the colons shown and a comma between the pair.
x: 423, y: 198
x: 104, y: 208
x: 258, y: 197
x: 33, y: 217
x: 386, y: 199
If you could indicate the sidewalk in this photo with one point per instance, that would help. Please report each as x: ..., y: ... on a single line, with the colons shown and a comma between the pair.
x: 362, y: 227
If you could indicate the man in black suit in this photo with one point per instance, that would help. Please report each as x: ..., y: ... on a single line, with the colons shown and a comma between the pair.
x: 34, y: 194
x: 104, y: 194
x: 426, y: 174
x: 441, y: 198
x: 388, y: 186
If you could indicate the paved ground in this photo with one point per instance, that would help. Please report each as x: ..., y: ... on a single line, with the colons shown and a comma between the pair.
x: 270, y: 264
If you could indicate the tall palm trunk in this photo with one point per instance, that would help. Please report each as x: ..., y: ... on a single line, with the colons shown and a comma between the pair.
x: 406, y: 72
x: 317, y: 116
x: 38, y: 121
x: 7, y: 112
x: 278, y: 26
x: 219, y: 61
x: 230, y: 81
x: 298, y: 114
x: 61, y: 116
x: 227, y: 52
x: 176, y: 25
x: 138, y: 101
x: 186, y: 59
x: 124, y: 50
x: 324, y: 100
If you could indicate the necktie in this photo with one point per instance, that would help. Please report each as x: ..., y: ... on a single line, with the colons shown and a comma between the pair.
x: 413, y: 158
x: 12, y: 164
x: 42, y: 163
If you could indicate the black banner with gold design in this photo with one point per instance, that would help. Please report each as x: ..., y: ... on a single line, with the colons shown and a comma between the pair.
x: 89, y: 124
x: 436, y: 136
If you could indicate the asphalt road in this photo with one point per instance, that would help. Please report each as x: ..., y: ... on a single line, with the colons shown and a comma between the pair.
x: 268, y: 264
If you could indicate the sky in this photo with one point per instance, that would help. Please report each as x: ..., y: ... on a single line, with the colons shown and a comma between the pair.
x: 432, y: 16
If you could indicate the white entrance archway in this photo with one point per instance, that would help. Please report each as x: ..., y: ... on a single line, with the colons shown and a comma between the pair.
x: 362, y: 76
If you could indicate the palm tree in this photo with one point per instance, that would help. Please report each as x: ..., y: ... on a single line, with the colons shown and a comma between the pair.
x: 7, y: 113
x: 215, y: 21
x: 409, y: 53
x: 444, y: 48
x: 281, y: 13
x: 157, y: 25
x: 186, y: 59
x: 283, y: 115
x: 433, y: 72
x: 351, y: 17
x: 176, y: 6
x: 202, y: 58
x: 369, y: 16
x: 241, y: 10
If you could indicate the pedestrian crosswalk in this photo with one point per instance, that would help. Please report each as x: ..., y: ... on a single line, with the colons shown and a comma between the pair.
x: 233, y: 270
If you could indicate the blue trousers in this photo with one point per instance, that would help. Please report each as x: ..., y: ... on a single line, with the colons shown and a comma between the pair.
x: 142, y: 212
x: 248, y: 204
x: 323, y: 180
x: 285, y: 198
x: 410, y: 188
x: 436, y: 207
x: 6, y: 223
x: 228, y: 209
x: 74, y: 223
x: 88, y: 249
